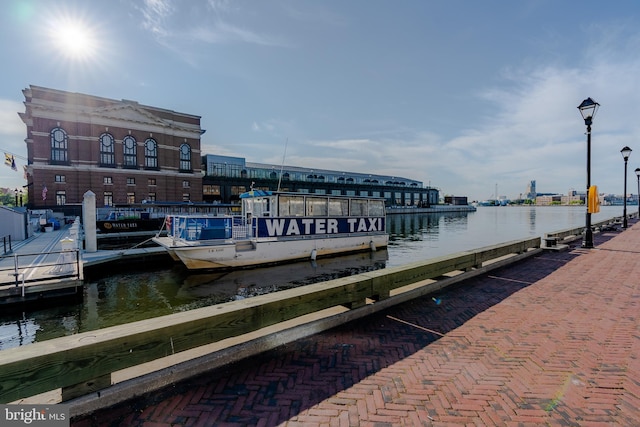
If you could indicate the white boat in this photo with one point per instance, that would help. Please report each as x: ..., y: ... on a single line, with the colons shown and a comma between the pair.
x: 277, y: 227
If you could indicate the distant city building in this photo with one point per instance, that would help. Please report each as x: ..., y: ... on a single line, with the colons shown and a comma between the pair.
x: 122, y: 151
x: 456, y: 200
x: 549, y: 200
x: 531, y: 190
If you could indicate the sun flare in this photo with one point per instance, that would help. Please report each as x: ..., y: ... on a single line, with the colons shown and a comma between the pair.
x: 74, y: 40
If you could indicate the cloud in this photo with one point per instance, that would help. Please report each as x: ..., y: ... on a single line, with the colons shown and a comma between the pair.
x: 155, y: 14
x: 177, y: 28
x: 11, y: 124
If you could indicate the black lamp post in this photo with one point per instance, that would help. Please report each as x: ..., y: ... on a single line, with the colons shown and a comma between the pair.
x: 16, y: 193
x: 588, y: 109
x: 638, y: 176
x: 626, y: 152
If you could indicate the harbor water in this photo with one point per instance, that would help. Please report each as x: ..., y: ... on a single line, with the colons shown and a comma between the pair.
x: 135, y: 295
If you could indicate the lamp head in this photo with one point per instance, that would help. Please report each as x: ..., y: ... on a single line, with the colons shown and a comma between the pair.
x: 588, y: 109
x: 626, y: 152
x: 638, y: 172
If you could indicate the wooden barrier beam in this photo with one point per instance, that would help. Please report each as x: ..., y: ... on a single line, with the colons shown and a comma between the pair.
x: 385, y: 280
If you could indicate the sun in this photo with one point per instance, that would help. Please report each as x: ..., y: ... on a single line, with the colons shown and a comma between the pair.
x: 74, y: 39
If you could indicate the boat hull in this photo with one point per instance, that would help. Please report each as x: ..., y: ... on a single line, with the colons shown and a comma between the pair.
x: 251, y: 253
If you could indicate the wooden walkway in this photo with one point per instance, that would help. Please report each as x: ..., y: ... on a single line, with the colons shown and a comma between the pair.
x: 44, y: 267
x: 552, y: 340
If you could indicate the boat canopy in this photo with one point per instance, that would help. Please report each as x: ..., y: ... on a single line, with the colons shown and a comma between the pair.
x: 255, y: 193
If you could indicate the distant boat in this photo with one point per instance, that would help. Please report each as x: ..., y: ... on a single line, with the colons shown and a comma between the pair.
x: 489, y: 202
x: 277, y: 227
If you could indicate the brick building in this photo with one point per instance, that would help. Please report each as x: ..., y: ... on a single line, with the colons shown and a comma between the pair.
x: 122, y: 151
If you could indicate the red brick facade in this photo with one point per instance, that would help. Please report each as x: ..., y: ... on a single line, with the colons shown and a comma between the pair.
x: 122, y: 151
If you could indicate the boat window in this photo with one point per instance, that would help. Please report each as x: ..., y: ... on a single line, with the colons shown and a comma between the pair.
x: 260, y: 207
x: 376, y: 208
x: 316, y: 206
x: 291, y: 206
x: 358, y: 207
x: 338, y: 207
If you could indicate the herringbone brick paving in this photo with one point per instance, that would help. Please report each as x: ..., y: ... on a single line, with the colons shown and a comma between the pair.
x: 552, y: 340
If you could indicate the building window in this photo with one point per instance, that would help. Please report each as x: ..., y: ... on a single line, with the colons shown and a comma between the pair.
x: 130, y: 148
x: 185, y: 197
x: 59, y: 145
x: 151, y: 154
x: 61, y: 178
x: 131, y: 181
x: 107, y: 150
x: 108, y: 198
x: 131, y: 198
x: 211, y: 190
x: 236, y: 190
x: 151, y: 197
x: 151, y: 181
x: 185, y: 158
x: 186, y: 184
x: 61, y: 198
x: 107, y: 180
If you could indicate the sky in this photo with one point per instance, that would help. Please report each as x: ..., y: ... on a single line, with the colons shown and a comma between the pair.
x: 466, y: 96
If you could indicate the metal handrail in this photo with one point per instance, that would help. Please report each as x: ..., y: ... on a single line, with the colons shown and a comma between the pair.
x: 67, y: 265
x: 6, y: 239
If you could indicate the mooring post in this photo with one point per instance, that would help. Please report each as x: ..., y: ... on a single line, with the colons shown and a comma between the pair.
x: 89, y: 221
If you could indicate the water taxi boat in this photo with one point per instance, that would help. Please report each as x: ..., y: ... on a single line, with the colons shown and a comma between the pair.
x: 276, y: 227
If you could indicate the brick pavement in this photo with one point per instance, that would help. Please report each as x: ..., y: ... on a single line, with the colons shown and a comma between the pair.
x: 552, y: 340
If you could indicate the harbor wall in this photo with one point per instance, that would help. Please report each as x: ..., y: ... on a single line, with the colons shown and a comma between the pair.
x: 433, y: 209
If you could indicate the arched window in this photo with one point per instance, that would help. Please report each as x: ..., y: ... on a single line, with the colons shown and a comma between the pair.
x: 130, y: 152
x: 107, y: 150
x: 59, y: 145
x: 185, y: 158
x: 151, y: 154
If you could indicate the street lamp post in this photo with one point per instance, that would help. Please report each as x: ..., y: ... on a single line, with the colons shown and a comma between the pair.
x: 626, y: 152
x: 588, y: 109
x: 16, y: 193
x: 638, y: 176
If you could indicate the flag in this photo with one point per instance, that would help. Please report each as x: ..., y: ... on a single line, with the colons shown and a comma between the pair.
x: 10, y: 161
x: 44, y: 192
x: 593, y: 201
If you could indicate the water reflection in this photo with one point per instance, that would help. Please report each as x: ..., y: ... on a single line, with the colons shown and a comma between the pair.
x: 128, y: 297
